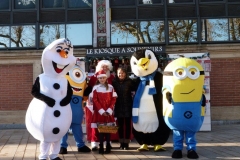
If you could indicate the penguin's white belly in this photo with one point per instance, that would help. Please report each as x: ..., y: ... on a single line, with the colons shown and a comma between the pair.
x: 147, y: 115
x: 46, y: 123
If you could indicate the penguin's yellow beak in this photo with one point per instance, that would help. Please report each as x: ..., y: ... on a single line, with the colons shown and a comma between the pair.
x: 143, y: 63
x: 63, y: 54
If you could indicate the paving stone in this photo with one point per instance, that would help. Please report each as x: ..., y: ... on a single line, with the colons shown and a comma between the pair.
x: 223, y: 142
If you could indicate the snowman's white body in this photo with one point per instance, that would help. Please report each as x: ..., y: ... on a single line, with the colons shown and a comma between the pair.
x: 40, y: 119
x: 47, y: 123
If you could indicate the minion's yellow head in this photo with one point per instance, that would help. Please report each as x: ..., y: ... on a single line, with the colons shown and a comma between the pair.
x: 185, y: 78
x: 77, y: 80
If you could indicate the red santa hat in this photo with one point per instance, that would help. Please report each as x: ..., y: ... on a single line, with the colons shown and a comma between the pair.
x: 104, y: 62
x: 101, y: 73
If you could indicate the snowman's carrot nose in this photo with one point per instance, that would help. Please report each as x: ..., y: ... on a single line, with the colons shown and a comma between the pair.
x: 63, y: 54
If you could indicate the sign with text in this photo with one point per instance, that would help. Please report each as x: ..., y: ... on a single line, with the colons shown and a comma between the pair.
x: 122, y: 51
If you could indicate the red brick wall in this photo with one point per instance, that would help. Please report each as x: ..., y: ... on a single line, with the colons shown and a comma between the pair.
x: 15, y: 86
x: 225, y: 82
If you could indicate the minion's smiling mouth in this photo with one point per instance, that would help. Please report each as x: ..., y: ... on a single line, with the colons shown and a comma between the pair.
x: 58, y: 68
x: 188, y: 92
x: 76, y: 89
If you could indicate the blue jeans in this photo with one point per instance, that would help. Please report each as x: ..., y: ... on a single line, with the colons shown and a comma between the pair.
x: 178, y: 137
x: 77, y: 134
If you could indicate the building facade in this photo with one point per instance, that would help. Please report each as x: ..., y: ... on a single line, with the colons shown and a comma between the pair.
x: 179, y: 26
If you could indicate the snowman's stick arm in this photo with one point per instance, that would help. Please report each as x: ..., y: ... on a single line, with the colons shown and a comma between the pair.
x: 37, y: 94
x: 66, y: 100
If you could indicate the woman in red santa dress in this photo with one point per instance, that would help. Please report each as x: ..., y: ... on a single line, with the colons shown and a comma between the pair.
x: 103, y: 98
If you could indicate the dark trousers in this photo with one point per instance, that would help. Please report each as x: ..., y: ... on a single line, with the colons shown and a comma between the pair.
x: 124, y: 126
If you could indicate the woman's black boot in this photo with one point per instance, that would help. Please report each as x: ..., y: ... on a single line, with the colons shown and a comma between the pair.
x: 126, y: 146
x: 121, y: 141
x: 101, y: 149
x: 108, y: 148
x: 121, y: 145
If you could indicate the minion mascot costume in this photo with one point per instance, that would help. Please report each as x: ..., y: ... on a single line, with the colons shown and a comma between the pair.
x: 183, y: 103
x: 77, y: 79
x: 149, y: 127
x: 49, y: 114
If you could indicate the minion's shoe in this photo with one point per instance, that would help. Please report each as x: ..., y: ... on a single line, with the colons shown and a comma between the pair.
x: 143, y: 147
x: 158, y: 148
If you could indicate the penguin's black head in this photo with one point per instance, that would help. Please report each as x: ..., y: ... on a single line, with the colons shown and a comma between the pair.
x: 143, y: 62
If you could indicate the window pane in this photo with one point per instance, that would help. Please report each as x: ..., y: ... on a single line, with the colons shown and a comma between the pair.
x: 23, y: 36
x: 183, y: 31
x: 122, y: 2
x: 53, y: 3
x: 234, y: 26
x: 211, y: 1
x: 4, y: 4
x: 180, y: 1
x: 24, y: 4
x: 49, y: 33
x: 151, y: 32
x: 79, y: 3
x: 124, y: 32
x: 4, y: 36
x: 215, y: 30
x: 79, y: 34
x: 233, y: 1
x: 149, y: 1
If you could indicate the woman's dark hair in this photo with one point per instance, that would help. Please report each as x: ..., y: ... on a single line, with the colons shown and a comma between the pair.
x: 122, y: 69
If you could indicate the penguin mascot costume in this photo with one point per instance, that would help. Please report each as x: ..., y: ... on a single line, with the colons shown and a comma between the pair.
x: 149, y: 127
x: 184, y: 103
x: 77, y: 79
x: 49, y: 114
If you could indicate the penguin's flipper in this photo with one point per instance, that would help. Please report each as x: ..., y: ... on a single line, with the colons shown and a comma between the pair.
x: 36, y: 93
x: 66, y: 100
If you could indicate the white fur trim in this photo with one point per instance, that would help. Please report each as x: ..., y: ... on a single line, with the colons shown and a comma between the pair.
x: 102, y: 89
x: 101, y: 75
x: 93, y: 125
x: 110, y: 111
x: 94, y: 144
x: 101, y: 111
x: 114, y: 94
x: 103, y: 62
x: 90, y: 107
x: 135, y: 111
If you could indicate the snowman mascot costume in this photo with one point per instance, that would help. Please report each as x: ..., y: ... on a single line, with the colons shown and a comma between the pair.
x: 49, y: 114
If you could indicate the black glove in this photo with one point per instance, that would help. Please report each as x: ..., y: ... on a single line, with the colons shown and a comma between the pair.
x: 64, y: 102
x: 50, y: 102
x: 169, y: 97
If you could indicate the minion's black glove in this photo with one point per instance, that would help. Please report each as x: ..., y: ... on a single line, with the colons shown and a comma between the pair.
x: 169, y: 97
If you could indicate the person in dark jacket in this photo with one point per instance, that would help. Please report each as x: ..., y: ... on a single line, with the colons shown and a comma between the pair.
x: 124, y: 87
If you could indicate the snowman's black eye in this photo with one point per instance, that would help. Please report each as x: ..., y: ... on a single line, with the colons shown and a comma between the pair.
x: 58, y: 49
x: 134, y: 63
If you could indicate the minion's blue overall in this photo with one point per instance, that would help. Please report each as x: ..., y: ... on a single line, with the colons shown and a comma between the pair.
x: 76, y: 125
x: 186, y: 120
